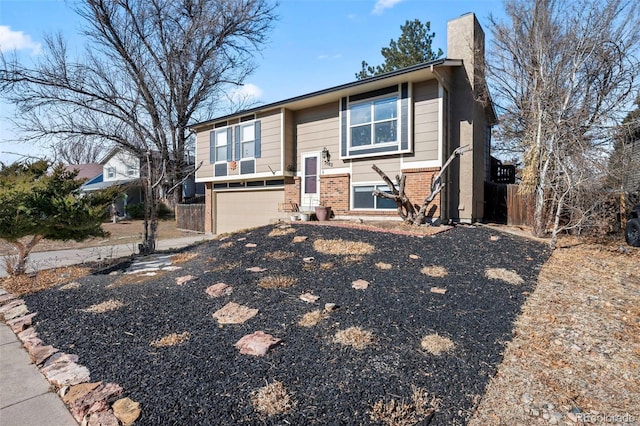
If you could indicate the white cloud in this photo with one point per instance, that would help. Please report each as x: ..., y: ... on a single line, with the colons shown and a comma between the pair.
x: 17, y: 40
x: 381, y: 5
x: 247, y: 90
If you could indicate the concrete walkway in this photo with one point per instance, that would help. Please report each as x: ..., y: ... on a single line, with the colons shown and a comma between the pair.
x: 26, y: 398
x: 52, y: 259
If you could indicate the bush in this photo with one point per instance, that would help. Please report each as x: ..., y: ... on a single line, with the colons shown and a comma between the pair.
x: 136, y: 211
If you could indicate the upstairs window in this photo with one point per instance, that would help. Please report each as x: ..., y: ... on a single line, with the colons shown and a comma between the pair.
x: 374, y: 122
x: 221, y: 143
x: 111, y: 172
x: 132, y: 170
x: 247, y: 141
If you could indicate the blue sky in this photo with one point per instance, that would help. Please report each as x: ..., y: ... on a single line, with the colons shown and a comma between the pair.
x: 315, y: 44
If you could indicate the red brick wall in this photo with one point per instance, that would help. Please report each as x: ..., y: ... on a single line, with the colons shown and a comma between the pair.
x: 292, y: 189
x: 418, y: 186
x: 334, y: 192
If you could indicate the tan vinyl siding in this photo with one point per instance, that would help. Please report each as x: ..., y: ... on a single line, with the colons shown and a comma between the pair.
x: 270, y: 139
x: 318, y: 128
x: 289, y: 141
x: 362, y: 171
x: 202, y: 154
x: 425, y: 121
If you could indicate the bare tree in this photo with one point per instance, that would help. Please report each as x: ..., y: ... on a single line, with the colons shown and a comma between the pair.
x: 78, y: 150
x: 151, y: 67
x: 562, y: 74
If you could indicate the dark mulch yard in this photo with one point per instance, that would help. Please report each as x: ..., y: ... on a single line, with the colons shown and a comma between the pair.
x: 205, y: 380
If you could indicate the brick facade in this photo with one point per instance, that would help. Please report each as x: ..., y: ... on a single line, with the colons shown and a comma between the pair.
x: 335, y: 192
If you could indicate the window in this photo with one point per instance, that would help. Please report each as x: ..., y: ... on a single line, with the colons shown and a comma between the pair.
x: 247, y: 141
x: 132, y: 170
x: 363, y: 198
x: 374, y: 122
x: 221, y: 144
x: 111, y: 172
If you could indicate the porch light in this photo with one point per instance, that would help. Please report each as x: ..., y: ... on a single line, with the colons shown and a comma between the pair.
x: 326, y: 156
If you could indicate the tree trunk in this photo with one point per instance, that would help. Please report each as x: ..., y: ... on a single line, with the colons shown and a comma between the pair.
x: 20, y: 265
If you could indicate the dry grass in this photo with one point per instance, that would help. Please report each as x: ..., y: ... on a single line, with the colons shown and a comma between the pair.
x: 343, y: 248
x: 277, y: 281
x: 171, y: 340
x: 311, y: 319
x: 402, y: 413
x: 384, y: 266
x: 279, y: 255
x: 354, y: 336
x: 225, y: 266
x: 132, y: 279
x: 435, y: 271
x: 280, y: 232
x: 183, y: 257
x: 106, y: 306
x: 353, y: 259
x: 436, y: 344
x: 272, y: 399
x: 577, y: 341
x: 505, y: 275
x: 226, y: 245
x: 31, y: 283
x: 70, y: 286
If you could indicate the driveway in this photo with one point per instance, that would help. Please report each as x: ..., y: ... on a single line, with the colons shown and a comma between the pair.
x: 420, y: 321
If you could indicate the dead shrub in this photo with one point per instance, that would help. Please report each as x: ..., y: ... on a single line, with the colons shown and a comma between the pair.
x: 272, y: 399
x: 402, y: 413
x: 436, y: 344
x: 70, y: 286
x: 171, y: 340
x: 183, y: 257
x: 343, y: 248
x: 353, y: 259
x: 383, y: 266
x: 31, y: 283
x: 277, y: 281
x: 225, y: 266
x: 505, y: 275
x: 279, y: 232
x: 106, y: 306
x: 141, y: 278
x: 279, y: 255
x: 312, y: 318
x: 434, y: 271
x: 354, y: 336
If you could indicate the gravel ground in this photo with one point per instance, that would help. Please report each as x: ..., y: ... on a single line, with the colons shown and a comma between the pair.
x: 205, y: 380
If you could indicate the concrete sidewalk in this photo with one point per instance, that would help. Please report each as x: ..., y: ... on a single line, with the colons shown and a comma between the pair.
x: 52, y: 259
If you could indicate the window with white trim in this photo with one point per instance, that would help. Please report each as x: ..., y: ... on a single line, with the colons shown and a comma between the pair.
x: 373, y: 122
x: 247, y: 141
x: 221, y: 142
x: 363, y: 198
x: 111, y: 172
x: 132, y: 170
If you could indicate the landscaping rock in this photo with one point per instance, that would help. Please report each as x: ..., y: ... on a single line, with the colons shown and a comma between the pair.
x: 65, y: 374
x: 7, y: 308
x: 29, y: 333
x: 300, y: 239
x: 256, y: 269
x: 126, y: 410
x: 360, y: 284
x: 219, y: 290
x: 6, y: 298
x: 60, y: 357
x: 308, y: 259
x: 438, y: 290
x: 185, y: 279
x: 330, y: 307
x: 309, y: 298
x: 94, y: 401
x: 18, y: 311
x: 233, y: 313
x: 76, y: 392
x: 39, y: 354
x: 21, y: 323
x: 102, y: 418
x: 251, y: 245
x: 257, y: 343
x: 414, y: 256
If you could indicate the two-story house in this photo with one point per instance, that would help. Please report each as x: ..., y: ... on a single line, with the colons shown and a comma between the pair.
x: 318, y: 148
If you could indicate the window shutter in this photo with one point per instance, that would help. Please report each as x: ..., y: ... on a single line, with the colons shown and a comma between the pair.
x: 343, y: 127
x: 237, y: 144
x: 257, y: 136
x: 212, y: 147
x: 229, y: 143
x: 404, y: 116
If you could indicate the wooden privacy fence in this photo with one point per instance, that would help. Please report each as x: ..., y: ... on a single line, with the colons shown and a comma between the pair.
x: 505, y: 205
x: 190, y: 216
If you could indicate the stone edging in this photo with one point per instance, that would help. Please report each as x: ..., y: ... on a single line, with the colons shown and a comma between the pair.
x: 89, y: 403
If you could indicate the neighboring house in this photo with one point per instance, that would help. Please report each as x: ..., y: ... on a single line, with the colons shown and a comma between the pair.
x: 319, y: 148
x: 90, y: 173
x: 632, y: 182
x: 119, y: 167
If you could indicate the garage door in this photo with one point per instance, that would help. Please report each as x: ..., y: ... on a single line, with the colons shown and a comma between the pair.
x: 246, y: 209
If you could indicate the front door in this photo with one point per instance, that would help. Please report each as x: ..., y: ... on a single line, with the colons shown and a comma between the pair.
x: 310, y: 196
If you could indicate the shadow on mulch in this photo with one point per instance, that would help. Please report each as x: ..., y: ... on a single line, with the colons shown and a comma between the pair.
x: 205, y: 380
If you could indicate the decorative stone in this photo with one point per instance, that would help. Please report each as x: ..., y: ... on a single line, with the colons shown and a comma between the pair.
x: 126, y: 410
x: 257, y: 344
x: 494, y: 238
x: 31, y: 342
x: 65, y: 374
x: 233, y: 313
x: 29, y: 333
x: 79, y: 391
x: 185, y: 279
x: 256, y: 269
x: 21, y: 323
x: 94, y: 401
x: 103, y: 418
x: 172, y: 268
x: 219, y: 290
x: 241, y: 239
x: 8, y: 307
x: 414, y: 256
x: 6, y: 298
x: 360, y: 284
x: 17, y: 312
x: 40, y: 353
x: 308, y: 259
x: 309, y: 298
x: 59, y: 357
x: 300, y: 239
x: 251, y: 245
x: 438, y: 290
x: 330, y: 307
